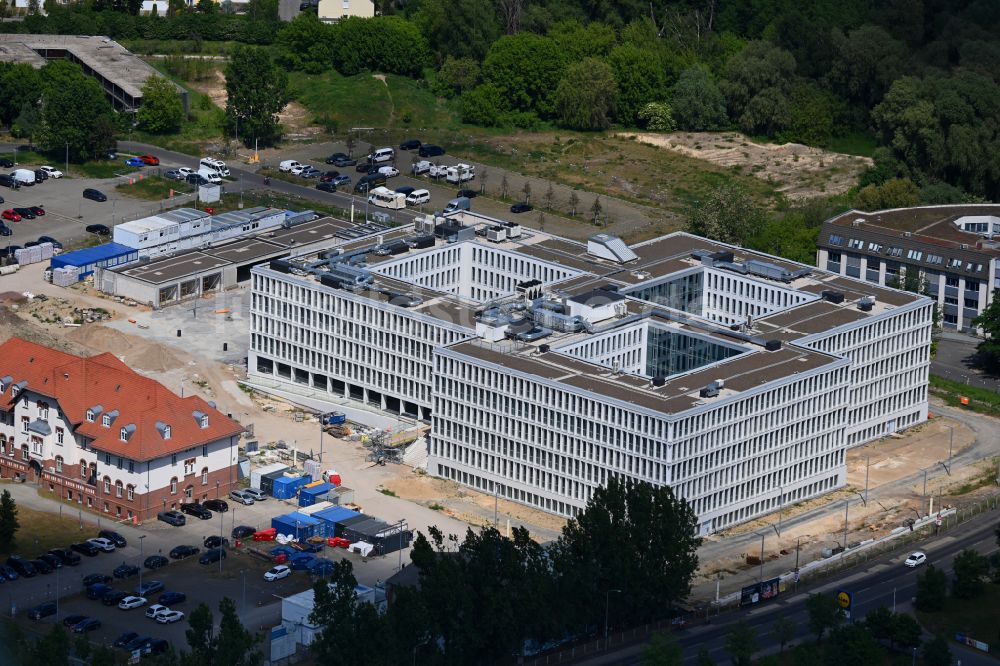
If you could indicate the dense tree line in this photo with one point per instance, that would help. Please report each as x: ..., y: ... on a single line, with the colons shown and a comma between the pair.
x: 487, y: 597
x: 920, y: 75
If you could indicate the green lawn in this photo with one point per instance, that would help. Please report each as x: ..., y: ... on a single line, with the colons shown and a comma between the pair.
x: 154, y: 188
x: 981, y: 400
x: 364, y: 101
x: 973, y: 617
x: 101, y: 168
x: 177, y: 47
x: 41, y: 530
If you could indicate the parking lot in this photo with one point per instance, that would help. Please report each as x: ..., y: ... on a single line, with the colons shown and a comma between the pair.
x: 240, y: 576
x: 67, y: 213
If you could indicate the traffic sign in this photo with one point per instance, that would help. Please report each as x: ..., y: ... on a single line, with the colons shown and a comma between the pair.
x: 844, y: 600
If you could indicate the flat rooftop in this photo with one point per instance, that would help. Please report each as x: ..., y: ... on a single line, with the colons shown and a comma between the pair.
x: 930, y: 225
x: 174, y: 268
x: 104, y: 56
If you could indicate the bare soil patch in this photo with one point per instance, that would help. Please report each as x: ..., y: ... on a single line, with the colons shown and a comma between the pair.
x: 296, y: 118
x: 797, y: 171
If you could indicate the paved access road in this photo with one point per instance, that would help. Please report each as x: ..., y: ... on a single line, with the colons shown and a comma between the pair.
x: 883, y: 582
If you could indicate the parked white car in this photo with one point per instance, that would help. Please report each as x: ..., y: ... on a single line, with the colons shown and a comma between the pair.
x: 241, y: 496
x: 255, y: 494
x: 185, y: 172
x: 131, y: 602
x: 277, y: 573
x: 288, y: 165
x: 297, y: 169
x: 170, y: 617
x: 423, y: 166
x: 155, y: 610
x: 51, y: 171
x: 103, y: 544
x: 388, y: 171
x: 417, y: 197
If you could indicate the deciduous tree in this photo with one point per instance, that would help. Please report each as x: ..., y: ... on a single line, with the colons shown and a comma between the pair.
x: 640, y: 79
x: 234, y: 644
x: 526, y: 69
x: 698, y: 103
x: 936, y: 652
x: 586, y: 97
x: 784, y: 631
x: 662, y: 650
x: 970, y: 569
x: 728, y: 215
x: 824, y: 613
x: 73, y: 105
x: 458, y: 28
x: 932, y: 588
x: 256, y: 92
x: 741, y: 643
x: 162, y: 111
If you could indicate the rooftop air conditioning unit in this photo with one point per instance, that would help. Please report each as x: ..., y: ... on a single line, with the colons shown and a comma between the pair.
x: 964, y: 246
x: 858, y: 221
x: 907, y: 234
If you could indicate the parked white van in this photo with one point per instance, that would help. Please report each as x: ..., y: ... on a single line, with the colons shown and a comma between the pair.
x: 418, y: 197
x: 386, y: 198
x: 382, y: 155
x: 215, y: 165
x: 288, y: 165
x: 211, y: 175
x: 460, y: 173
x: 24, y: 176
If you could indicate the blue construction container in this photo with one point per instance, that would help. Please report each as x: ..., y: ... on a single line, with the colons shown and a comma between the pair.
x: 314, y: 494
x: 330, y: 517
x: 104, y: 256
x: 296, y: 524
x: 287, y: 486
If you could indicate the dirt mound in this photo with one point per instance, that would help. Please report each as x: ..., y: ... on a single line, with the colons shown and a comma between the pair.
x: 101, y: 339
x: 11, y: 297
x: 153, y: 358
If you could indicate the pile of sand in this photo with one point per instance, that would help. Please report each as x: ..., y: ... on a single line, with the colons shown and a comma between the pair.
x: 12, y: 325
x: 153, y: 358
x: 136, y: 352
x: 101, y: 339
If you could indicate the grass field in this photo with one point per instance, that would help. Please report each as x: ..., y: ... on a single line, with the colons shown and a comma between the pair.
x: 204, y: 125
x: 973, y: 617
x: 153, y: 188
x: 177, y: 47
x: 92, y: 169
x: 366, y: 101
x: 41, y: 531
x: 981, y: 400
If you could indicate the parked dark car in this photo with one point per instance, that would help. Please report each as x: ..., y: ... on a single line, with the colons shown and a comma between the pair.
x: 406, y: 189
x: 336, y: 157
x: 99, y: 229
x: 86, y: 548
x: 113, y: 537
x: 70, y: 620
x: 40, y: 176
x: 97, y: 591
x: 521, y: 207
x: 148, y: 588
x: 88, y: 624
x: 180, y: 552
x: 197, y: 179
x: 171, y: 598
x: 95, y: 578
x: 366, y: 167
x: 345, y: 162
x: 410, y: 144
x: 95, y: 195
x: 25, y: 213
x: 211, y: 556
x: 197, y: 510
x: 114, y: 597
x: 8, y: 572
x: 328, y: 176
x: 215, y: 541
x: 22, y: 566
x: 8, y: 180
x: 138, y: 643
x: 51, y: 560
x: 6, y: 163
x: 243, y: 531
x: 125, y: 570
x: 430, y: 150
x: 56, y: 245
x: 468, y: 194
x: 155, y: 562
x: 341, y: 180
x: 156, y: 646
x: 175, y: 518
x: 219, y: 505
x: 5, y: 230
x: 42, y: 610
x: 326, y: 187
x: 125, y: 639
x: 41, y: 566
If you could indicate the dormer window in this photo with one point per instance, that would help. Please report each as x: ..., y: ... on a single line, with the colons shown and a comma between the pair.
x: 166, y: 432
x: 106, y: 421
x: 204, y: 421
x: 123, y: 433
x: 90, y: 416
x: 14, y: 390
x: 201, y: 418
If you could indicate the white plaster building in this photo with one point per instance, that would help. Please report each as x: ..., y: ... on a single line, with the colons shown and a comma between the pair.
x: 95, y: 432
x: 546, y: 366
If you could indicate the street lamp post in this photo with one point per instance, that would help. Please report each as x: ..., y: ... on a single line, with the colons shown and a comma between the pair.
x: 67, y: 158
x: 847, y: 507
x: 607, y: 597
x: 781, y: 506
x: 222, y: 549
x: 141, y: 537
x: 761, y: 557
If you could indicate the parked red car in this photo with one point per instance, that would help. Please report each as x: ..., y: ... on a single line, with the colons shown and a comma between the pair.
x: 151, y: 160
x: 10, y: 215
x: 270, y: 534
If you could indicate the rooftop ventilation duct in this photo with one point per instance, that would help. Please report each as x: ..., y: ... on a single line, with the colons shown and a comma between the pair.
x: 866, y: 303
x: 833, y: 296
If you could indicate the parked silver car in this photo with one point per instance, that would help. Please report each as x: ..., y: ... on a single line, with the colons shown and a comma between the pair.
x: 241, y: 496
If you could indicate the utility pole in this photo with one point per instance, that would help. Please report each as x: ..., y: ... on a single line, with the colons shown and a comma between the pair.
x: 925, y: 488
x: 67, y: 159
x: 141, y: 537
x: 868, y: 464
x: 951, y: 447
x: 781, y: 506
x: 847, y: 505
x: 762, y: 557
x: 222, y: 549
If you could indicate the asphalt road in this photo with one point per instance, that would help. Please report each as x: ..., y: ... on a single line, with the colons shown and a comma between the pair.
x: 954, y: 361
x: 882, y: 582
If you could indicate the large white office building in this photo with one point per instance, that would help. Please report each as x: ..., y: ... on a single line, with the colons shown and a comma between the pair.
x: 547, y: 366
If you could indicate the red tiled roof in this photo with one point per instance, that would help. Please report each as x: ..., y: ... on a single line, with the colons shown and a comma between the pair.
x: 79, y: 384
